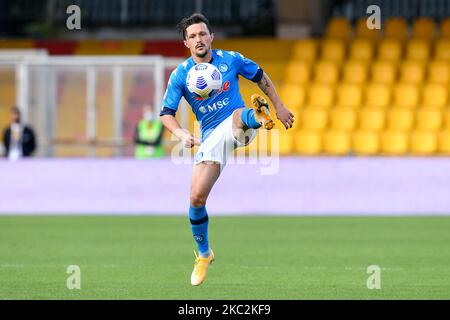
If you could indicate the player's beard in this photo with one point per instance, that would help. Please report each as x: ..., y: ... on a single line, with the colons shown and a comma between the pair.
x: 202, y: 55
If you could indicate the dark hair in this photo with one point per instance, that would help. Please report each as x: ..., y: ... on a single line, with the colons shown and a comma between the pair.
x: 193, y: 19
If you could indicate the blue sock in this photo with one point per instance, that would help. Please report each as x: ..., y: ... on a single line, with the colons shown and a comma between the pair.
x: 248, y: 118
x: 199, y: 224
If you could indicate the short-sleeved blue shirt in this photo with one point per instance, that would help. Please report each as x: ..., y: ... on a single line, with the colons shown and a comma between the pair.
x: 212, y: 111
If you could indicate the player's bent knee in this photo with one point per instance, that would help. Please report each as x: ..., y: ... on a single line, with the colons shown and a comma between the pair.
x: 197, y: 200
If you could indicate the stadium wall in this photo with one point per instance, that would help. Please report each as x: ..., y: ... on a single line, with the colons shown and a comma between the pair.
x: 302, y: 186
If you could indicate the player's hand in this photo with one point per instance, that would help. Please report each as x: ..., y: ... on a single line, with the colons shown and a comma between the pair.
x: 189, y: 140
x: 285, y: 116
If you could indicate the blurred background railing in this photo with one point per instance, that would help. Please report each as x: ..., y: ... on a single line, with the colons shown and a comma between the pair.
x: 86, y: 105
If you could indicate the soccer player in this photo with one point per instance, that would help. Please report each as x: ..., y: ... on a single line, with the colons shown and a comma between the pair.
x: 225, y: 121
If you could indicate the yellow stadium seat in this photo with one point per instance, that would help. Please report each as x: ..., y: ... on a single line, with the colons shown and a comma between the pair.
x: 286, y: 144
x: 361, y: 49
x: 423, y: 28
x: 406, y: 95
x: 363, y: 31
x: 412, y: 72
x: 298, y: 72
x: 326, y: 72
x: 434, y: 95
x: 308, y: 142
x: 349, y: 95
x: 384, y: 72
x: 442, y: 50
x: 418, y: 49
x: 394, y: 142
x: 390, y: 50
x: 396, y: 27
x: 439, y: 72
x: 354, y: 72
x: 293, y: 95
x: 423, y: 142
x: 372, y: 118
x: 320, y: 95
x: 336, y: 142
x: 445, y: 28
x: 429, y: 119
x: 447, y: 118
x: 305, y: 50
x: 338, y: 27
x: 366, y: 142
x: 378, y: 95
x: 400, y: 118
x: 333, y: 50
x: 314, y: 119
x: 343, y: 119
x: 444, y: 142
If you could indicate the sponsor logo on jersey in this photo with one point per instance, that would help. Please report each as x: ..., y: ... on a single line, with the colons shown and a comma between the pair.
x: 215, y: 106
x: 225, y: 87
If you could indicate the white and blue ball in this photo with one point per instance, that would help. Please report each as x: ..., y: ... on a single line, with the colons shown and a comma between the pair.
x: 204, y: 80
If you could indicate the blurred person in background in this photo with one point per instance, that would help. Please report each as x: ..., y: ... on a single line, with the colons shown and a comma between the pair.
x: 148, y: 135
x: 18, y: 139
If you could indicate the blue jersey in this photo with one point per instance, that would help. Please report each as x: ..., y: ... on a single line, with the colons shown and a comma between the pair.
x: 212, y: 111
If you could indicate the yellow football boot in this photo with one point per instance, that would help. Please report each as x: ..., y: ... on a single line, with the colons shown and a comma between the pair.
x: 200, y: 268
x: 262, y: 114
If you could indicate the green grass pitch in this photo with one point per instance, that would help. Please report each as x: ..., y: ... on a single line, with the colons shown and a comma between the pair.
x: 257, y: 257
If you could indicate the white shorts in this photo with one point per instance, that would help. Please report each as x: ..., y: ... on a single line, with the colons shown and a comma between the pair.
x: 221, y: 143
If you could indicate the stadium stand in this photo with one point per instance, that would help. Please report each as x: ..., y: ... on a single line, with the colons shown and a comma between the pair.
x: 355, y: 90
x: 370, y: 92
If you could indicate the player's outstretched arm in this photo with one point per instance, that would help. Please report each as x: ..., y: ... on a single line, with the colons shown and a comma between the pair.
x: 283, y: 114
x: 189, y: 140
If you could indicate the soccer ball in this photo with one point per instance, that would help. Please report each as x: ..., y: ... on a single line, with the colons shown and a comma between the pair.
x: 204, y: 80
